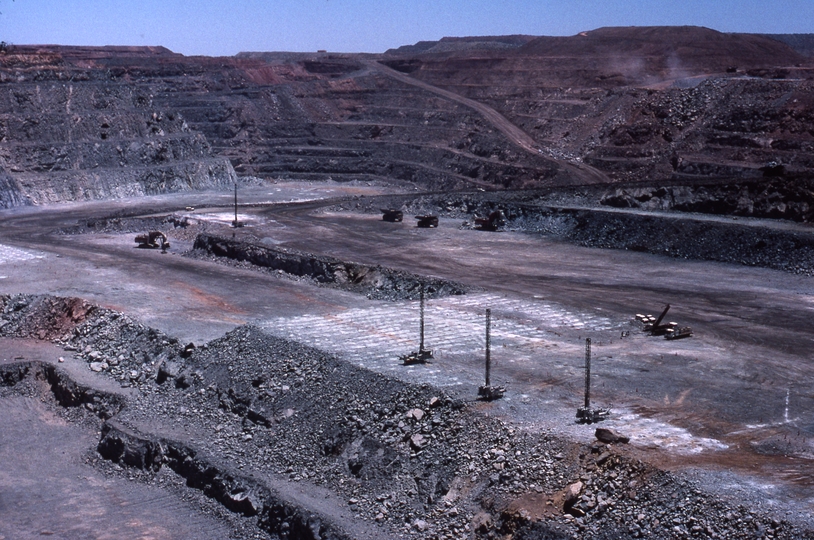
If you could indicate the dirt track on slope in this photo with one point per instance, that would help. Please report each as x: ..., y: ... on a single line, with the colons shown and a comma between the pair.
x: 584, y: 173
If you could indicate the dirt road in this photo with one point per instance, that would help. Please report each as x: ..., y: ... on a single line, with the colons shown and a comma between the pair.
x: 584, y: 173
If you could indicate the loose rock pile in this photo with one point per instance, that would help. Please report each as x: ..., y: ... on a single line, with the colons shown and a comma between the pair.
x: 401, y: 458
x: 108, y: 340
x: 376, y: 282
x: 777, y: 198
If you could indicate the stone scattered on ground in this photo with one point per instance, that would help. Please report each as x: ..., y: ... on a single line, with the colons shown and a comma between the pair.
x: 407, y: 458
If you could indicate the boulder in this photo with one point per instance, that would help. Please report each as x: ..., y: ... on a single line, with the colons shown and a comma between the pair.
x: 571, y: 495
x: 609, y: 436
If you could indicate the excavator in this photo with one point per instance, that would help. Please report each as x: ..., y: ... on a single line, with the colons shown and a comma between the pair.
x: 670, y: 330
x: 153, y: 240
x: 655, y: 327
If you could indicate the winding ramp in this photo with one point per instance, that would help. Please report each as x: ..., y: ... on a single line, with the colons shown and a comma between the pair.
x: 585, y: 173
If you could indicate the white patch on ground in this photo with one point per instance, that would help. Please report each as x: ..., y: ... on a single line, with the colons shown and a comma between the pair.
x: 653, y: 433
x: 10, y: 254
x: 454, y: 325
x: 224, y: 217
x: 374, y: 337
x: 289, y: 200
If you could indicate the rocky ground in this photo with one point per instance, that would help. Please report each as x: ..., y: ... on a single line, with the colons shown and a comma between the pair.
x: 271, y: 438
x: 375, y: 282
x: 248, y: 417
x: 677, y: 221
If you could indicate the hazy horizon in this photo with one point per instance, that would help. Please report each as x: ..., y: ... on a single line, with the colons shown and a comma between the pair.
x: 220, y: 28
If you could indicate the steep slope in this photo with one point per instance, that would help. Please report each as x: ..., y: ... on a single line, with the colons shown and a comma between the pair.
x: 320, y: 116
x: 802, y: 43
x: 72, y: 131
x: 619, y: 105
x: 81, y: 123
x: 10, y: 193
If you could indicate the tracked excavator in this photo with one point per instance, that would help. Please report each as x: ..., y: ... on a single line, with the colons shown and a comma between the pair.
x: 670, y: 330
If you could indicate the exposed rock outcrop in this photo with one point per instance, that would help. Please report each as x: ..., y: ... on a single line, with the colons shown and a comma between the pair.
x: 78, y: 133
x: 374, y: 281
x: 10, y: 193
x: 634, y: 104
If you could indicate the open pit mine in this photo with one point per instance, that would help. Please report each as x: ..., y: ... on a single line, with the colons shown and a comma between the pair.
x: 478, y: 288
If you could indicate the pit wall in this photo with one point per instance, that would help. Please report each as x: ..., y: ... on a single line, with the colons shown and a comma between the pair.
x: 240, y: 494
x: 66, y: 391
x: 80, y: 139
x: 685, y: 238
x: 11, y: 194
x: 116, y: 183
x: 773, y: 198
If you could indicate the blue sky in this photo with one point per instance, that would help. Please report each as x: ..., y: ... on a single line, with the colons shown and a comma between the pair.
x: 221, y: 27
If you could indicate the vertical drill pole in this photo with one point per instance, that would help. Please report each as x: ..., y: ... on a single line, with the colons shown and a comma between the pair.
x: 235, y: 204
x: 421, y: 311
x: 587, y: 373
x: 488, y: 344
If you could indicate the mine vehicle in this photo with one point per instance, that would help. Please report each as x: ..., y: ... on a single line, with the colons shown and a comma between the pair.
x: 587, y: 414
x: 422, y: 356
x: 153, y: 240
x: 494, y: 221
x: 427, y: 222
x: 654, y: 326
x: 394, y: 216
x: 488, y: 392
x: 678, y: 333
x: 671, y: 330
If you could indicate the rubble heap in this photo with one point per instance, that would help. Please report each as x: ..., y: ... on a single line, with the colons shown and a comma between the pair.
x: 247, y: 413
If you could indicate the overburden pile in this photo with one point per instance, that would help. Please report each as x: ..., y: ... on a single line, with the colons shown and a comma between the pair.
x: 252, y: 420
